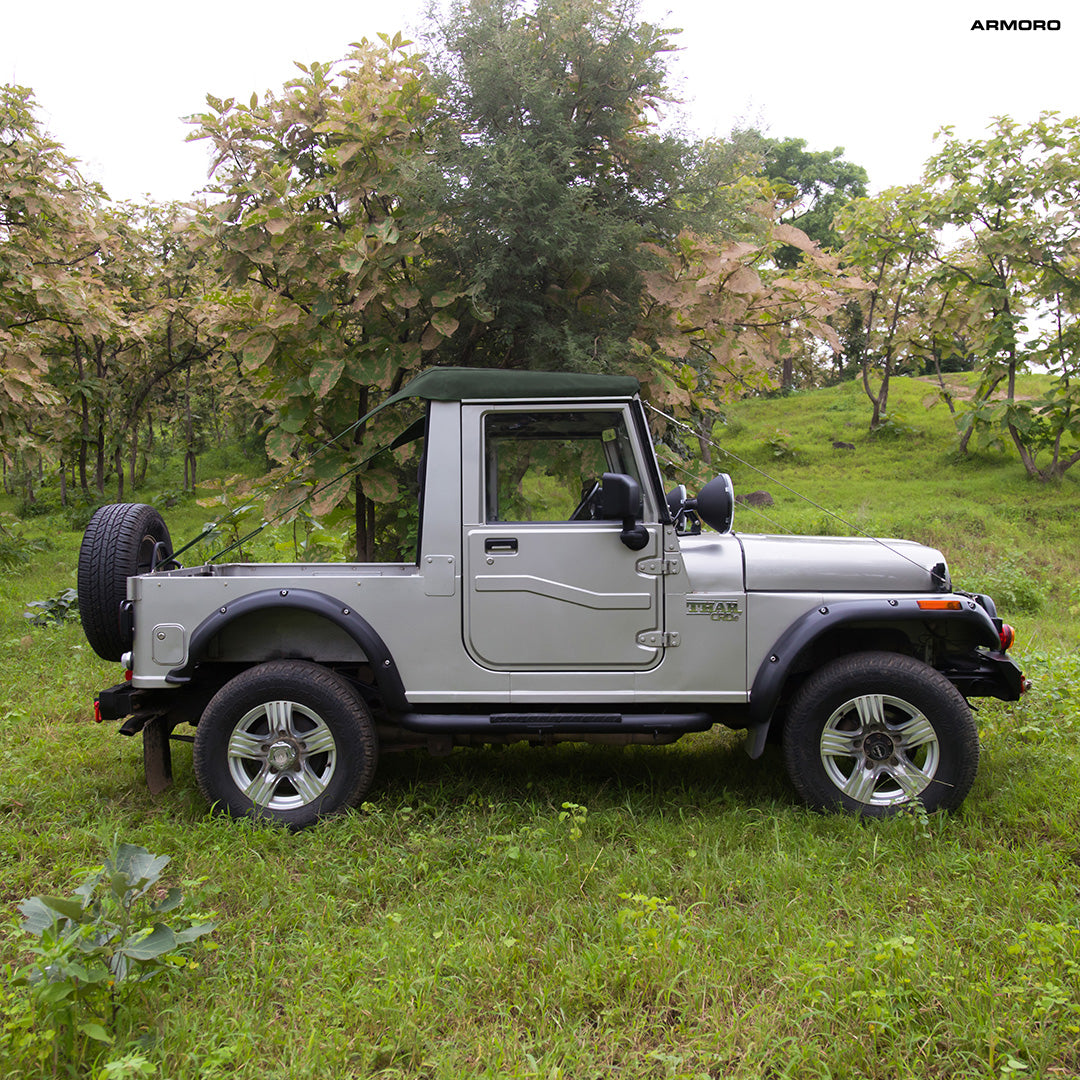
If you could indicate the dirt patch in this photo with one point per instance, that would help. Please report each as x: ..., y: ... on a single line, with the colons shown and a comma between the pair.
x: 961, y: 390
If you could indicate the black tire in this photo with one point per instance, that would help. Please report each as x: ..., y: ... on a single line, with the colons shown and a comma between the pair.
x: 872, y: 731
x: 120, y: 541
x: 288, y: 740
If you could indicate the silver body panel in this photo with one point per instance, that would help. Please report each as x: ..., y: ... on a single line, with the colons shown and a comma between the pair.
x: 497, y: 613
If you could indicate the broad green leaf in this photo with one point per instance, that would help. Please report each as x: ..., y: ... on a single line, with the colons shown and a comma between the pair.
x: 256, y: 352
x: 280, y: 444
x: 159, y: 941
x: 70, y: 909
x: 172, y: 899
x: 325, y: 374
x: 444, y: 322
x: 37, y: 916
x: 329, y: 496
x: 353, y: 261
x: 196, y: 930
x: 96, y: 1032
x: 54, y: 993
x: 139, y: 864
x: 381, y: 485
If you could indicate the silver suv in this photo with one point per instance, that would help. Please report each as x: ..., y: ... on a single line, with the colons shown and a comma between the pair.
x: 557, y: 594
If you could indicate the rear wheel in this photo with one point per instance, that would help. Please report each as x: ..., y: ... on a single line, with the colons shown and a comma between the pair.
x: 874, y: 731
x: 122, y: 540
x: 288, y: 740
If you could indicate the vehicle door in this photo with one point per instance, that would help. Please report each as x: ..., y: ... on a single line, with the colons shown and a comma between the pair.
x: 550, y: 585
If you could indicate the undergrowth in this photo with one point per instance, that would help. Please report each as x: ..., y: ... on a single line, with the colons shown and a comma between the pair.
x: 582, y: 913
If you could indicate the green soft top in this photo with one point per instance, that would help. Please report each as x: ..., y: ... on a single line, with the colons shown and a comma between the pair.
x: 464, y: 384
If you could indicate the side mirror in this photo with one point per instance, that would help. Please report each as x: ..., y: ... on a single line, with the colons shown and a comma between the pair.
x: 620, y: 500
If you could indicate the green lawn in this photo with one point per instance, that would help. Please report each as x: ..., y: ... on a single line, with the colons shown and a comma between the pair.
x: 584, y: 912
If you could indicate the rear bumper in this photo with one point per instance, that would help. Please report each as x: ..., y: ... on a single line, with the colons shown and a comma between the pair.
x: 113, y: 703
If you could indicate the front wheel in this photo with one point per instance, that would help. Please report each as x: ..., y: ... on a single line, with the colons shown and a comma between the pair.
x: 873, y: 731
x: 287, y: 740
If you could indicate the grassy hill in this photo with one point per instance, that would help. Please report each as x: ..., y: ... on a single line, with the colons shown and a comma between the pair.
x: 1002, y: 533
x: 585, y: 913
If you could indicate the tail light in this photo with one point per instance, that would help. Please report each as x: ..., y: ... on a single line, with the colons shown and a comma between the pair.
x: 1007, y: 635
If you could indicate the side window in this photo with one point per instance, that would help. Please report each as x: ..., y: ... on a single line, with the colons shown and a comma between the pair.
x: 547, y: 466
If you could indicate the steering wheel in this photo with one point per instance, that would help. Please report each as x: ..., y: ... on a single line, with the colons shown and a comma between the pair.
x: 586, y: 508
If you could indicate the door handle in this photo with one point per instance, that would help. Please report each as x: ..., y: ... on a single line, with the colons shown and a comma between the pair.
x: 500, y: 545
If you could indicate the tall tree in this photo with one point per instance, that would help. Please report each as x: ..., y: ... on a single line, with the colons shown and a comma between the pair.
x: 48, y: 250
x: 328, y: 302
x: 892, y: 241
x: 812, y: 186
x: 550, y: 175
x: 720, y: 316
x: 1015, y: 198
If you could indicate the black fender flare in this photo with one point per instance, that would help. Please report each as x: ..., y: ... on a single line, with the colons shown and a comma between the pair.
x: 779, y: 661
x: 387, y: 677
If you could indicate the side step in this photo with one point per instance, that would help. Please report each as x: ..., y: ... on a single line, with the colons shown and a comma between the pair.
x: 548, y: 723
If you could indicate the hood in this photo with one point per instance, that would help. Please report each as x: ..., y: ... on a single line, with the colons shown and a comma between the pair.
x: 840, y: 564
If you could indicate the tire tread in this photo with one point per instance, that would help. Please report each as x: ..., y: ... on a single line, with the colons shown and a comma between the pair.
x: 890, y: 673
x: 352, y: 724
x: 108, y: 556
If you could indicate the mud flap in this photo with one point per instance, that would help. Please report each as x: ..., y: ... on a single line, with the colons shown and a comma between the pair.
x: 756, y: 737
x: 157, y: 755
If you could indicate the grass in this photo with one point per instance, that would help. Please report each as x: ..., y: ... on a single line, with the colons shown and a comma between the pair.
x: 585, y: 912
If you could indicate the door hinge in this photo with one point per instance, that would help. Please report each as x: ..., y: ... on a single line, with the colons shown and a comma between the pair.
x: 672, y: 564
x: 659, y: 639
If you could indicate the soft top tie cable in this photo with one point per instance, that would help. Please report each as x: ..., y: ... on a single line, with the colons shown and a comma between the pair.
x: 292, y: 475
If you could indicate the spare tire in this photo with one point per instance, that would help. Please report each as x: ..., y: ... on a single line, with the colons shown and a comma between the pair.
x: 121, y: 540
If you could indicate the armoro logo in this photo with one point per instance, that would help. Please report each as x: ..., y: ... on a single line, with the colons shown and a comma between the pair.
x: 1016, y: 24
x: 717, y: 610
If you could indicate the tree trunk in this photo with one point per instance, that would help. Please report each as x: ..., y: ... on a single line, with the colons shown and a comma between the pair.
x: 705, y: 441
x: 880, y: 400
x: 365, y: 508
x: 941, y: 382
x: 133, y: 461
x: 84, y: 424
x: 99, y: 458
x: 149, y: 446
x: 189, y: 432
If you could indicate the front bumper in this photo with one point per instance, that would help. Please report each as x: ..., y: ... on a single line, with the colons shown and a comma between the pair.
x: 989, y: 674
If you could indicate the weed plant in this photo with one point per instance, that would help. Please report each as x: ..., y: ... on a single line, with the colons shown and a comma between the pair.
x: 588, y: 912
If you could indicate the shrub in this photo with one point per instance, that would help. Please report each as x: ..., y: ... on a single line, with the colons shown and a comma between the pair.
x: 1011, y: 584
x: 16, y: 549
x: 54, y: 610
x: 91, y: 947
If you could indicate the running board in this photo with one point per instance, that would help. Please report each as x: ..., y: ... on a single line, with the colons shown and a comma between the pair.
x: 547, y: 723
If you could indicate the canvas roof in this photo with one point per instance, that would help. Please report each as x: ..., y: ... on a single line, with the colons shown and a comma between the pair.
x: 464, y: 384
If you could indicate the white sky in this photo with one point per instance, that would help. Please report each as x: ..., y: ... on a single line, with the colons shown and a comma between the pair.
x: 114, y: 77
